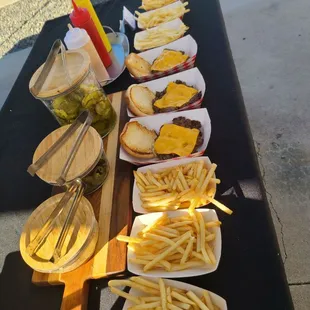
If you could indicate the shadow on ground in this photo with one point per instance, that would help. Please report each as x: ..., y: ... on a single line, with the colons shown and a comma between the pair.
x: 22, y: 44
x: 16, y: 287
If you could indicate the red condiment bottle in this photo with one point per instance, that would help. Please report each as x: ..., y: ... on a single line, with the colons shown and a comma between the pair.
x: 80, y: 18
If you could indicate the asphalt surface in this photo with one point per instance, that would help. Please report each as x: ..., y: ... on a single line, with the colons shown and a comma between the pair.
x: 22, y: 21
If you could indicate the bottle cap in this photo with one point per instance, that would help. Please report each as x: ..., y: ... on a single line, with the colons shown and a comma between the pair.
x: 76, y: 38
x: 79, y: 15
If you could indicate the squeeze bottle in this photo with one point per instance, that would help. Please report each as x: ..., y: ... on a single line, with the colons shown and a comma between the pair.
x: 78, y: 39
x: 88, y: 5
x: 80, y: 18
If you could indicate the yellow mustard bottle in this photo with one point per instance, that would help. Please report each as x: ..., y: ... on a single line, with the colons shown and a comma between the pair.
x: 87, y: 5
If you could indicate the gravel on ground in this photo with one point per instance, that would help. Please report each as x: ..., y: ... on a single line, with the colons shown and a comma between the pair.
x: 22, y: 21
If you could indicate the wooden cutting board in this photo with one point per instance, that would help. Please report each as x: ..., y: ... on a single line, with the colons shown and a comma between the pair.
x: 113, y: 209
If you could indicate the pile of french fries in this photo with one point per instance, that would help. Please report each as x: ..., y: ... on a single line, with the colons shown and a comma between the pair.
x: 148, y: 5
x: 185, y: 186
x: 160, y: 296
x: 174, y: 244
x: 159, y: 36
x: 163, y: 15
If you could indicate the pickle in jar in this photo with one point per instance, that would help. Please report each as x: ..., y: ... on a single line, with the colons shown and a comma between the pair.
x: 86, y: 97
x: 90, y: 100
x: 97, y: 176
x: 65, y: 108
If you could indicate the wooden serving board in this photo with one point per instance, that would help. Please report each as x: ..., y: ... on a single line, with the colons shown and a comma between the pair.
x: 113, y: 209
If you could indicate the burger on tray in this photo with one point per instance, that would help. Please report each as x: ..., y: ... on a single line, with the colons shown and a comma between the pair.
x: 162, y: 61
x: 167, y: 136
x: 178, y: 92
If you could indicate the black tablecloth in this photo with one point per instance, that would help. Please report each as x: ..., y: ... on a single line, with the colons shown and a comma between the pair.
x: 250, y: 273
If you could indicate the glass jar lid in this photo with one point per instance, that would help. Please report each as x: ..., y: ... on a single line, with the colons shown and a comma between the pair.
x: 79, y: 234
x: 67, y: 71
x: 85, y: 159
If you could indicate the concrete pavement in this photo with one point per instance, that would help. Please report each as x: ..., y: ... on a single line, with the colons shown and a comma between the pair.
x: 21, y: 22
x: 4, y: 3
x: 270, y: 45
x: 10, y: 66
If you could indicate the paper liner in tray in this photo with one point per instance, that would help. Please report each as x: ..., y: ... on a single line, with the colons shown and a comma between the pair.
x: 216, y: 299
x: 186, y: 44
x: 156, y: 121
x: 169, y: 6
x: 174, y: 24
x: 142, y: 220
x: 136, y: 201
x: 191, y: 77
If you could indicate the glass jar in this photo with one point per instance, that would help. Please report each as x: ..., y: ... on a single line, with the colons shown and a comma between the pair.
x: 67, y: 92
x: 86, y: 95
x: 95, y: 178
x: 80, y: 241
x: 89, y: 164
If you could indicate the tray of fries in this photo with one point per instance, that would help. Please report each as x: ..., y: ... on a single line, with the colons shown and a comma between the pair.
x: 187, y: 44
x: 165, y: 14
x: 174, y: 185
x: 155, y: 122
x: 191, y: 77
x: 159, y: 35
x: 174, y: 244
x: 146, y: 293
x: 149, y: 5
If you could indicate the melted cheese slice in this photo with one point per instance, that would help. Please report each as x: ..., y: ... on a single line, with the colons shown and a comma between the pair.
x: 168, y: 60
x: 174, y: 139
x: 176, y: 95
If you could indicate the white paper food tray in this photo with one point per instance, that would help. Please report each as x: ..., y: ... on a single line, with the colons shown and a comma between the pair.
x: 216, y: 299
x: 192, y: 77
x: 142, y: 220
x: 136, y: 201
x: 174, y: 24
x: 169, y: 6
x: 187, y: 44
x: 156, y: 121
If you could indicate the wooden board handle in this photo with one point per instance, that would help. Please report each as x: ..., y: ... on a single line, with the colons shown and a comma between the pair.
x: 75, y: 296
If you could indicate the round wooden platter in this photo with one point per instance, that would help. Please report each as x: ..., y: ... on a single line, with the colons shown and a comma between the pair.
x: 82, y: 233
x: 113, y: 210
x: 87, y: 154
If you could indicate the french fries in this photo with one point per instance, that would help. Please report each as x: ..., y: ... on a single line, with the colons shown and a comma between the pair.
x: 162, y: 296
x: 185, y: 186
x: 159, y: 36
x: 148, y: 5
x: 163, y: 15
x: 174, y: 244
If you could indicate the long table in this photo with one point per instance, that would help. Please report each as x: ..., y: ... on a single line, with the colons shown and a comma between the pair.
x: 250, y: 273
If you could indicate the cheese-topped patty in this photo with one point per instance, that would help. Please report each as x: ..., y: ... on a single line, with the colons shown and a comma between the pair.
x: 176, y: 96
x: 168, y: 59
x: 174, y: 139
